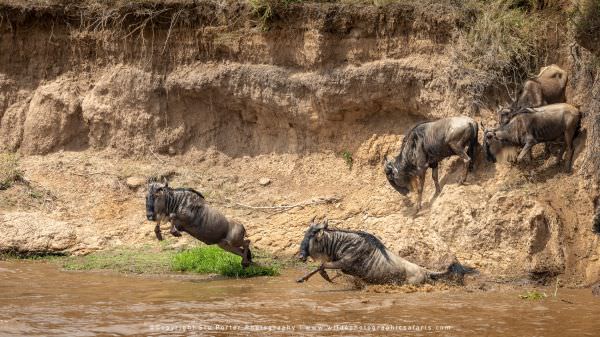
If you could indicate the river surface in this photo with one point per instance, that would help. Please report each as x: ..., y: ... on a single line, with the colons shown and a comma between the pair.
x: 40, y: 299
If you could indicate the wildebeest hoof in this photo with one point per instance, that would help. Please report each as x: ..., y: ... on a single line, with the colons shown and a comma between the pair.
x: 300, y: 280
x: 175, y: 233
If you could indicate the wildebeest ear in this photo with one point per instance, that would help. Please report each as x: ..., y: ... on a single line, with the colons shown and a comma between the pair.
x: 325, y: 223
x: 321, y: 225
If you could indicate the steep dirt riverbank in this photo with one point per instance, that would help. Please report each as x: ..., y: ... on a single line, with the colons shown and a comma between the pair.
x: 95, y: 100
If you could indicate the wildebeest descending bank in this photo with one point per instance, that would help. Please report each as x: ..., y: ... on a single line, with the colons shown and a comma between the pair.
x: 188, y: 212
x: 362, y: 255
x: 548, y: 87
x: 424, y: 146
x: 545, y: 124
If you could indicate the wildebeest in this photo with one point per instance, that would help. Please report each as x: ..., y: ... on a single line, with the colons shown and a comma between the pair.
x: 548, y: 87
x: 545, y: 124
x: 362, y: 255
x: 188, y: 212
x: 424, y: 146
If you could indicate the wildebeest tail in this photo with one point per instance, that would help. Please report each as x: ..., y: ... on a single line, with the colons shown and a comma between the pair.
x: 473, y: 144
x: 455, y: 272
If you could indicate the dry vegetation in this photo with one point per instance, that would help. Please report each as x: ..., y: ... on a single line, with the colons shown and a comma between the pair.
x: 9, y: 170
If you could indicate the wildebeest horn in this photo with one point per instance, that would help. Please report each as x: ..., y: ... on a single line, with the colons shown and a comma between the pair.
x: 312, y: 221
x: 482, y: 126
x: 325, y: 223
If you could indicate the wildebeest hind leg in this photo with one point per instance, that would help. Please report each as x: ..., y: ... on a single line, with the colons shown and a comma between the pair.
x: 462, y: 153
x: 569, y: 135
x: 436, y: 181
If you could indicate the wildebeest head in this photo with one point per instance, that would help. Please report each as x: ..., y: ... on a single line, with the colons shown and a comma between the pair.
x: 399, y: 181
x: 505, y: 114
x: 155, y: 199
x: 491, y: 144
x: 314, y: 232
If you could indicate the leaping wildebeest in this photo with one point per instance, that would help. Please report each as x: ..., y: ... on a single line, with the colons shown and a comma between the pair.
x: 549, y: 123
x: 187, y: 211
x: 424, y: 146
x: 362, y: 255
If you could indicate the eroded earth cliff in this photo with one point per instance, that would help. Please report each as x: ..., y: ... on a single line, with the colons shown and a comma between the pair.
x: 299, y: 109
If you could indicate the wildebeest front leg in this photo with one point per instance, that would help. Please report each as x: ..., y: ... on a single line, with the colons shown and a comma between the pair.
x: 157, y: 231
x: 526, y: 150
x: 175, y: 225
x: 322, y: 272
x: 420, y: 184
x: 309, y: 274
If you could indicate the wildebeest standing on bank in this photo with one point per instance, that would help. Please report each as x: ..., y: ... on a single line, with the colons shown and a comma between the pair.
x: 188, y: 212
x: 548, y: 87
x: 545, y: 124
x: 362, y: 255
x: 424, y: 146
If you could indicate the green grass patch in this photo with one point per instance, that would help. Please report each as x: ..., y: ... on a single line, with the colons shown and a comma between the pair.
x: 161, y: 260
x: 347, y: 156
x: 214, y: 260
x: 138, y: 261
x: 533, y: 295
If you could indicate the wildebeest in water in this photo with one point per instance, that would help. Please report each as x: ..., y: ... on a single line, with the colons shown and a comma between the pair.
x: 424, y: 146
x: 362, y: 255
x: 187, y: 211
x: 555, y: 122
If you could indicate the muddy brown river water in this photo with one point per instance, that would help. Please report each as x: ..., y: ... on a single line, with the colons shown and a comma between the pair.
x: 39, y: 299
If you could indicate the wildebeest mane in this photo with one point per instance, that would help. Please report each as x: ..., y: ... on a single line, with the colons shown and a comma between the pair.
x: 404, y: 160
x: 369, y: 238
x: 187, y: 189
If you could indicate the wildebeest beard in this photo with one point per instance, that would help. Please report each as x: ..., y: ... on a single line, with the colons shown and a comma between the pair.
x: 304, y: 245
x: 150, y: 214
x: 488, y: 153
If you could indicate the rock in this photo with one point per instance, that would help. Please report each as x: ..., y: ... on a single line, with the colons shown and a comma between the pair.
x: 36, y: 233
x: 134, y: 182
x: 264, y: 181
